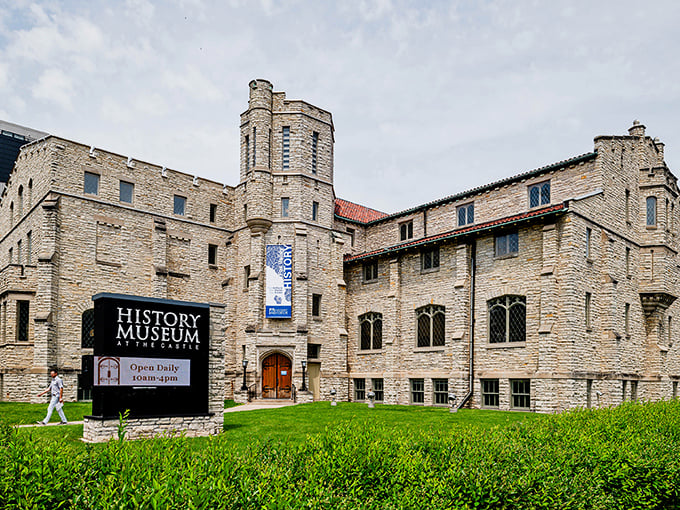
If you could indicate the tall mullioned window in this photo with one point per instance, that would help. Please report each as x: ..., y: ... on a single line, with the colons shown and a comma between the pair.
x: 417, y: 391
x: 406, y: 230
x: 431, y: 321
x: 370, y: 326
x: 378, y: 389
x: 359, y: 389
x: 315, y: 144
x: 539, y: 194
x: 651, y: 211
x: 247, y: 148
x: 370, y: 271
x: 315, y: 211
x: 285, y: 155
x: 87, y: 329
x: 440, y: 388
x: 507, y: 319
x: 285, y: 204
x: 507, y: 244
x: 22, y: 320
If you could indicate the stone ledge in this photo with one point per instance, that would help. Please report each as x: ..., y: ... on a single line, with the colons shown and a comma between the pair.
x: 98, y: 431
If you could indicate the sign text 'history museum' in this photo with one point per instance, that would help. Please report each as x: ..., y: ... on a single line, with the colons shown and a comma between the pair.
x: 279, y: 281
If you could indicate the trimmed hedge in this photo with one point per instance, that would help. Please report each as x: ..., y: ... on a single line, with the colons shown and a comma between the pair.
x: 620, y: 458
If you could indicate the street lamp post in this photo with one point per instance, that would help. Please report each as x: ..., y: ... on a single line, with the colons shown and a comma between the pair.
x: 304, y: 384
x: 245, y: 365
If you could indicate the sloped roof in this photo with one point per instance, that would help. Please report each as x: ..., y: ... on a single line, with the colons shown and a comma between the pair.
x: 479, y: 189
x: 346, y: 210
x: 508, y: 220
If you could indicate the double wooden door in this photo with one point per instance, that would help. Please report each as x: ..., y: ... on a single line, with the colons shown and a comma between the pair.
x: 276, y: 376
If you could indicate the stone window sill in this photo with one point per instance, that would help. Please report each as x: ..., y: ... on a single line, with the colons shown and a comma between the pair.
x: 368, y: 282
x: 431, y: 270
x: 370, y: 351
x: 213, y: 266
x: 317, y: 318
x: 513, y: 255
x: 430, y: 348
x: 505, y: 345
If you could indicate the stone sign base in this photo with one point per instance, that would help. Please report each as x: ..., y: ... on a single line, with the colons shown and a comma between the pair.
x: 96, y: 430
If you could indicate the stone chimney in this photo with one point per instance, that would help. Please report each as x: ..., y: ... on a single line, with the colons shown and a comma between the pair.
x: 637, y: 129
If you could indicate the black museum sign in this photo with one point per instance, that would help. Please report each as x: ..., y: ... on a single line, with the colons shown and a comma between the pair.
x: 150, y: 356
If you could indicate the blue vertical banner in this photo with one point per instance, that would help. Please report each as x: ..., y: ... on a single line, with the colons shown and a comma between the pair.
x: 278, y: 281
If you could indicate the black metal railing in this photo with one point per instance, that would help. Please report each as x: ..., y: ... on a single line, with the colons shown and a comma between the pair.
x: 252, y: 392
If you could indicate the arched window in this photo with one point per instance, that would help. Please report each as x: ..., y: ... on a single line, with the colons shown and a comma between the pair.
x: 651, y: 211
x: 20, y: 201
x: 87, y: 331
x: 370, y: 325
x: 507, y: 319
x: 11, y: 214
x: 29, y: 194
x: 431, y: 325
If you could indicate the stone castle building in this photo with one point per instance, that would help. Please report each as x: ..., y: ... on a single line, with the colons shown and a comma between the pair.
x: 551, y: 289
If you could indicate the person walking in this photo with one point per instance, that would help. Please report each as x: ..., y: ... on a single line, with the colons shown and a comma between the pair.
x: 57, y: 398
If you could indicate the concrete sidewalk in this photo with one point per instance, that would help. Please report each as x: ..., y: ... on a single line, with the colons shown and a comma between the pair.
x: 51, y: 424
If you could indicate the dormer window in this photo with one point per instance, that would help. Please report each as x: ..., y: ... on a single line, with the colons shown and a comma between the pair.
x: 466, y: 214
x: 539, y: 194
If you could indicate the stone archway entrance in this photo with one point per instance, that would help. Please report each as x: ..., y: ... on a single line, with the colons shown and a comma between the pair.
x: 276, y: 376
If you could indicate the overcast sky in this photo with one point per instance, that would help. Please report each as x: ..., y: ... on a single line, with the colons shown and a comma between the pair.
x: 428, y: 98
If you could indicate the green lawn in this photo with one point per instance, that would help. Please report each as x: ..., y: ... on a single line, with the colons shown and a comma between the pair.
x: 287, y: 424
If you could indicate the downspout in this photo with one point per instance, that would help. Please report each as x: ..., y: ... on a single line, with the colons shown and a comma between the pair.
x: 471, y: 339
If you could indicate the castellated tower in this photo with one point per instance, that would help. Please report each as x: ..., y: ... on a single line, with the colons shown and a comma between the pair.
x: 285, y: 198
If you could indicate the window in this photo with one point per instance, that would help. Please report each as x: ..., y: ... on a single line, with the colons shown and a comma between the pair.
x: 417, y: 391
x: 406, y: 230
x: 370, y: 327
x: 669, y: 340
x: 313, y: 351
x: 589, y: 393
x: 29, y: 247
x: 350, y: 233
x: 490, y: 393
x: 429, y: 259
x: 213, y: 212
x: 126, y: 191
x: 245, y: 211
x: 315, y: 211
x: 626, y: 319
x: 624, y: 385
x: 587, y: 310
x: 285, y: 154
x: 254, y: 147
x: 520, y: 393
x: 212, y: 254
x: 285, y: 203
x: 87, y: 329
x: 651, y: 211
x: 247, y: 147
x: 11, y: 256
x: 378, y: 386
x: 91, y: 183
x: 589, y: 233
x: 507, y: 244
x: 179, y: 205
x: 675, y: 389
x: 466, y: 214
x: 539, y: 194
x: 246, y: 277
x: 431, y: 325
x: 507, y: 319
x: 627, y: 206
x: 370, y: 271
x: 359, y: 389
x: 22, y: 320
x: 633, y: 390
x: 29, y: 200
x: 627, y: 261
x: 315, y: 144
x: 441, y: 391
x: 19, y: 258
x: 316, y: 305
x: 11, y: 214
x: 20, y: 202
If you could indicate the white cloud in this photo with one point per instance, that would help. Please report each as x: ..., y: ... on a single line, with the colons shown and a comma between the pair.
x: 54, y: 86
x: 3, y: 75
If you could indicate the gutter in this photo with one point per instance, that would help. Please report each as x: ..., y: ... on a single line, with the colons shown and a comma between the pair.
x: 471, y: 339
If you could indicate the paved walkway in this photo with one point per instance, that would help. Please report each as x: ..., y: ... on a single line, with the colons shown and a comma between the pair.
x: 250, y: 406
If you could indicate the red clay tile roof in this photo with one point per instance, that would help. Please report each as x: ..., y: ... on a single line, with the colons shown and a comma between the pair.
x: 465, y: 230
x: 354, y: 212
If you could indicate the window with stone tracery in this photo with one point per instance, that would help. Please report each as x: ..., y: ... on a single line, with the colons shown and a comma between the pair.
x: 507, y: 319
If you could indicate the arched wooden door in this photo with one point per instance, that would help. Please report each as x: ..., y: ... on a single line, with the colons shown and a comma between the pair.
x: 276, y: 376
